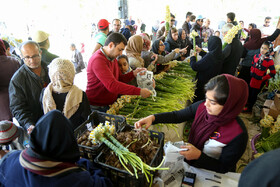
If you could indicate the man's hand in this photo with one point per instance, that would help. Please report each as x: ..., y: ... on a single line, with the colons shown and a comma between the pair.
x: 30, y: 129
x: 145, y: 93
x: 138, y: 70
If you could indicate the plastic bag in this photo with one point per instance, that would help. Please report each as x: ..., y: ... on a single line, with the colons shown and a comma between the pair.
x: 146, y: 81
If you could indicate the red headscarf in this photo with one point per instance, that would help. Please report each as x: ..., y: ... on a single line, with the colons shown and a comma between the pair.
x: 255, y: 41
x: 2, y: 48
x: 205, y: 124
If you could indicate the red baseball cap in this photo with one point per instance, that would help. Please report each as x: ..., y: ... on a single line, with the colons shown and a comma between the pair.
x: 103, y: 24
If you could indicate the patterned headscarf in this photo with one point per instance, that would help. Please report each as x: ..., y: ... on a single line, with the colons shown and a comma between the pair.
x: 147, y: 42
x: 62, y: 73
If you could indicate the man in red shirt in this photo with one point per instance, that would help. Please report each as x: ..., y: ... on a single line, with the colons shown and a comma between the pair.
x: 105, y: 80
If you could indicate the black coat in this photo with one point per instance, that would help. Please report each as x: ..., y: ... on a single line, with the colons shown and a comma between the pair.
x: 208, y: 67
x: 80, y: 115
x: 232, y: 54
x: 24, y: 93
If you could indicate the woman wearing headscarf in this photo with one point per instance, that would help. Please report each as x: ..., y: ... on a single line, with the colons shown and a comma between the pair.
x: 218, y: 137
x: 133, y: 52
x: 251, y: 48
x: 53, y: 158
x: 8, y: 66
x: 63, y: 95
x: 184, y: 42
x: 153, y: 55
x: 208, y: 66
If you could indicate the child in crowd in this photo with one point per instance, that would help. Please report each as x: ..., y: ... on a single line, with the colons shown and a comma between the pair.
x: 12, y: 137
x: 259, y: 77
x: 123, y: 64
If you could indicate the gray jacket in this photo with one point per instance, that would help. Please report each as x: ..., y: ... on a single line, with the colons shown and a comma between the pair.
x: 24, y: 93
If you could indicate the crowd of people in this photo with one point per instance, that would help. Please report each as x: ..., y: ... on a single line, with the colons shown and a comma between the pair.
x: 38, y: 91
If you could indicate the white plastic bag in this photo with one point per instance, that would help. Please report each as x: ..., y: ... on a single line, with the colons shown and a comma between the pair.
x: 146, y: 81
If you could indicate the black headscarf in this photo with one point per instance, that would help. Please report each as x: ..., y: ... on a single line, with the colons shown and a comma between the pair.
x: 155, y: 47
x: 173, y: 44
x: 53, y: 139
x: 215, y: 47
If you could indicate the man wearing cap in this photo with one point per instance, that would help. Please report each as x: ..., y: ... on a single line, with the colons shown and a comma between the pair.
x: 100, y: 37
x: 42, y: 38
x: 105, y: 82
x: 26, y: 85
x: 198, y: 28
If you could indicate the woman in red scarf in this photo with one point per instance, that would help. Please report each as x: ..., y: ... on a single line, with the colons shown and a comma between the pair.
x: 251, y: 48
x: 218, y: 137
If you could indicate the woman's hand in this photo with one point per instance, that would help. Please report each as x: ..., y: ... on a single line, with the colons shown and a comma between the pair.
x: 198, y: 49
x: 177, y: 50
x: 147, y: 121
x: 184, y: 50
x: 137, y: 70
x: 192, y: 153
x: 155, y: 57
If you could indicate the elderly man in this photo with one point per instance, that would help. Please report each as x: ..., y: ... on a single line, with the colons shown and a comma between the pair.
x: 206, y: 30
x: 42, y: 38
x: 26, y: 85
x: 105, y: 80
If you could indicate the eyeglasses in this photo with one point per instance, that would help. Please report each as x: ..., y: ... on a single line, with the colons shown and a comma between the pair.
x: 267, y: 22
x: 28, y: 58
x: 161, y: 44
x: 172, y: 20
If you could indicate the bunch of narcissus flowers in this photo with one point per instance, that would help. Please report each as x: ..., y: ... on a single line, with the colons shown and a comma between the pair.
x: 167, y: 18
x: 100, y: 130
x: 231, y: 34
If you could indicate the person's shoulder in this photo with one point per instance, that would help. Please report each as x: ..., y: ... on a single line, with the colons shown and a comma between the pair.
x: 20, y: 74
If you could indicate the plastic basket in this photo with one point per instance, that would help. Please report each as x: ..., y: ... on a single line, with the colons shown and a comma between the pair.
x: 94, y: 119
x: 121, y: 178
x: 253, y: 143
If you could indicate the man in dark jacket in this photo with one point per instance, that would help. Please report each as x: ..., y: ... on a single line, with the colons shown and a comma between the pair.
x: 42, y: 38
x: 187, y: 26
x: 197, y: 27
x: 26, y: 85
x: 231, y: 53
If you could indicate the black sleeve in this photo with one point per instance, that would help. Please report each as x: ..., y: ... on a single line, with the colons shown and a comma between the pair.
x: 86, y: 108
x: 245, y: 51
x: 274, y: 35
x: 202, y: 53
x: 230, y: 155
x: 201, y: 65
x: 177, y: 116
x: 19, y: 105
x: 226, y: 51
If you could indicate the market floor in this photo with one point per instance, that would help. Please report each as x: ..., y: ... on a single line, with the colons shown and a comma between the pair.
x: 253, y: 129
